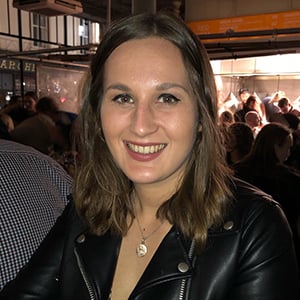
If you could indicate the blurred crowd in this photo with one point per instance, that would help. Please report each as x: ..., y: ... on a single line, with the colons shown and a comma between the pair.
x: 38, y: 122
x: 262, y: 146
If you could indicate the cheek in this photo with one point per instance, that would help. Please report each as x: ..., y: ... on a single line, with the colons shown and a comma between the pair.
x: 188, y: 127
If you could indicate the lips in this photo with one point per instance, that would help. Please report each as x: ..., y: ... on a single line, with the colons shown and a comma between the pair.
x: 148, y: 149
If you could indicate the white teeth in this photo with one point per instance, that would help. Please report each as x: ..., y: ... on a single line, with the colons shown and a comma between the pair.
x: 146, y: 149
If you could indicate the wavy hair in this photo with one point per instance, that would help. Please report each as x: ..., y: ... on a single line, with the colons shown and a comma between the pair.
x: 102, y: 191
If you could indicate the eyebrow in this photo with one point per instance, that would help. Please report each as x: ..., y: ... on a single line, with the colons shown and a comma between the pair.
x: 160, y: 87
x: 117, y: 86
x: 169, y: 85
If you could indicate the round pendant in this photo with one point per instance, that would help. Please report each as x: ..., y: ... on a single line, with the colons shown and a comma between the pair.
x: 141, y: 250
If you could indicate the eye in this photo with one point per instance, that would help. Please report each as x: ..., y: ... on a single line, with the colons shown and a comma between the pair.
x: 123, y: 99
x: 168, y: 99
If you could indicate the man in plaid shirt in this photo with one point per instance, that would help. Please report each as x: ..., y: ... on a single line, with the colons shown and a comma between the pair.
x: 33, y: 193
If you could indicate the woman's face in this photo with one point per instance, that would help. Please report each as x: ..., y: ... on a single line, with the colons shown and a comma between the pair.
x: 149, y: 116
x: 283, y: 151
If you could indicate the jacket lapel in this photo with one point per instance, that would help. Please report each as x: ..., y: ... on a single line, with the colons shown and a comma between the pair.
x: 170, y: 262
x: 100, y: 262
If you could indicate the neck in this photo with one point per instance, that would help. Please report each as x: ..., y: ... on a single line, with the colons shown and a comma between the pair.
x: 145, y: 206
x: 148, y: 197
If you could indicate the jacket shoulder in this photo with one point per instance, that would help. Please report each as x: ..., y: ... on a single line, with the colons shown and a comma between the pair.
x: 256, y: 247
x: 249, y: 201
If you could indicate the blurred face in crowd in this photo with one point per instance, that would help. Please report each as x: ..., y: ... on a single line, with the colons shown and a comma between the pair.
x: 285, y: 108
x: 252, y: 119
x: 150, y: 101
x: 244, y: 96
x: 282, y: 151
x: 29, y: 103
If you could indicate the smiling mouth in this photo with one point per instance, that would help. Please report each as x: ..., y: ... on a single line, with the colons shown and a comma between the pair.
x: 146, y: 149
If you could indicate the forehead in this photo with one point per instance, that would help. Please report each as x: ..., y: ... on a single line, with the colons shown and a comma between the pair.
x: 149, y: 43
x: 150, y: 56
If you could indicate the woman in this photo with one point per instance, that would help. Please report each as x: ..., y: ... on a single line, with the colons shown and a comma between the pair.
x: 265, y: 167
x: 160, y: 216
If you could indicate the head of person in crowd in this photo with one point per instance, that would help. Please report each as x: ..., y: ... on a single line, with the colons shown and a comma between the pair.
x: 284, y: 105
x: 48, y: 106
x: 272, y: 146
x: 293, y: 123
x: 244, y: 94
x: 30, y: 101
x: 251, y: 102
x: 238, y: 142
x: 226, y: 118
x: 252, y: 118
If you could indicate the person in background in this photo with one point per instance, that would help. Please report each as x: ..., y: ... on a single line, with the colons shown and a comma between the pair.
x: 226, y: 118
x: 238, y: 142
x: 6, y: 126
x: 157, y: 213
x: 293, y: 123
x: 40, y: 131
x: 33, y: 193
x: 244, y: 94
x: 265, y: 168
x: 286, y: 107
x: 252, y: 118
x: 18, y: 109
x: 270, y: 104
x: 30, y: 101
x: 294, y: 158
x: 249, y: 104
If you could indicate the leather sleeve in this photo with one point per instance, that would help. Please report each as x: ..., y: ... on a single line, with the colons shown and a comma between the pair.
x: 267, y: 267
x: 38, y: 280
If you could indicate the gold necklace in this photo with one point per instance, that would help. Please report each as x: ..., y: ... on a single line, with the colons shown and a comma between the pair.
x: 142, y: 249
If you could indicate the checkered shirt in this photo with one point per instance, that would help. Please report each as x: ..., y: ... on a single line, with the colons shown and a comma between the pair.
x: 33, y: 193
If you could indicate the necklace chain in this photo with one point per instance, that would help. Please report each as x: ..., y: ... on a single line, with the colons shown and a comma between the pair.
x: 142, y: 249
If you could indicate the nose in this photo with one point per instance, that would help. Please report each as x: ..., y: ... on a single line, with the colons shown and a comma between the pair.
x: 143, y: 120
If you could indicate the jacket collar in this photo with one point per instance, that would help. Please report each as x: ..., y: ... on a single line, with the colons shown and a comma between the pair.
x: 99, y: 256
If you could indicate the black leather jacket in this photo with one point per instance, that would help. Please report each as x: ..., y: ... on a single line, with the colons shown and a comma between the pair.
x: 250, y: 257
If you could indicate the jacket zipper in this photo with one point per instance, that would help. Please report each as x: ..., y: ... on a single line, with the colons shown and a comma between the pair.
x: 83, y: 273
x: 183, y: 284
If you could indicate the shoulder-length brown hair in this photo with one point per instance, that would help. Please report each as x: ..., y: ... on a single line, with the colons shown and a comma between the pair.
x: 102, y: 191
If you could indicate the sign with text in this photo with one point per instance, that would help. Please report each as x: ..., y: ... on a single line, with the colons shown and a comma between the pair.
x: 14, y: 65
x: 280, y: 20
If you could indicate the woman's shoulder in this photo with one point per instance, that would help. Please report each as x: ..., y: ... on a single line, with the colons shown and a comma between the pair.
x: 252, y: 206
